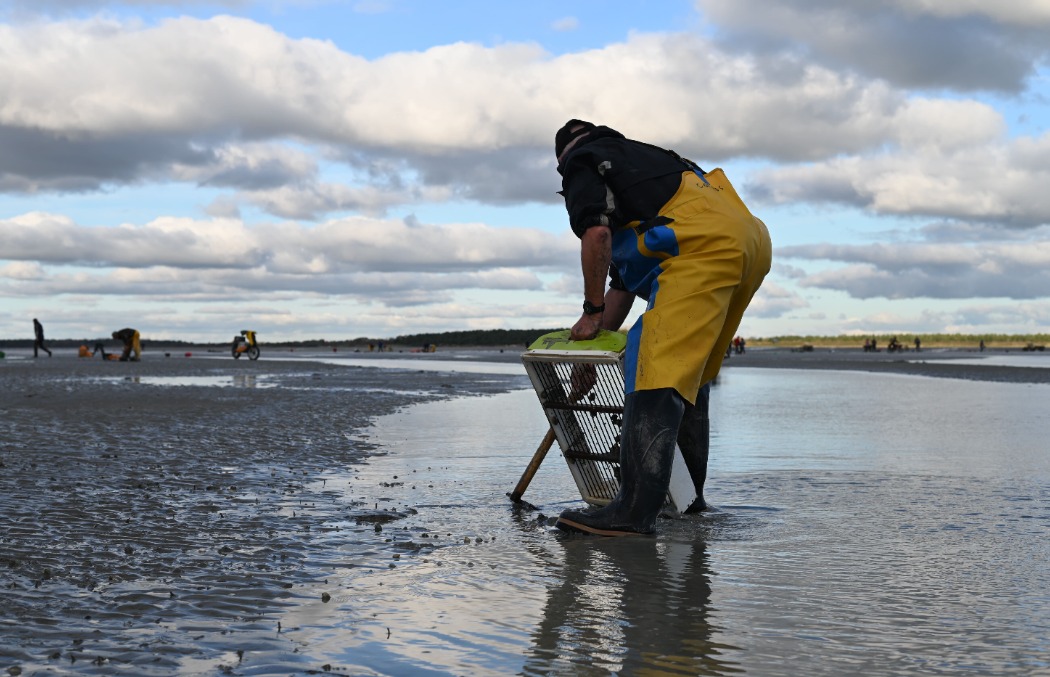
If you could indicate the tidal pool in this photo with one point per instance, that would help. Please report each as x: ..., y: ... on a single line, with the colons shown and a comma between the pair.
x: 223, y: 381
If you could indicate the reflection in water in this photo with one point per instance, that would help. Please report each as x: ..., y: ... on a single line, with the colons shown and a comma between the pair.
x: 1031, y: 361
x: 633, y: 606
x: 423, y: 364
x: 225, y: 381
x: 865, y: 524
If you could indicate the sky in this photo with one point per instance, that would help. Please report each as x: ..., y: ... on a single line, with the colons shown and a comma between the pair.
x: 322, y: 169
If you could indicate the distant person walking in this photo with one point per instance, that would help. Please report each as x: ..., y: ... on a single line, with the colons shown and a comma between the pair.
x: 38, y: 342
x: 130, y: 338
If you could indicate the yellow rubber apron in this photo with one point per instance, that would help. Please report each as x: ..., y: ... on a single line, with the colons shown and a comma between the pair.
x: 702, y: 263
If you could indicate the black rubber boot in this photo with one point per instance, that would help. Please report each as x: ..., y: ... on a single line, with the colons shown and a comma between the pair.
x: 694, y: 439
x: 651, y: 419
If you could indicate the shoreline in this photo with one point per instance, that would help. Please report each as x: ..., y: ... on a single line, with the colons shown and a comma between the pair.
x: 933, y: 362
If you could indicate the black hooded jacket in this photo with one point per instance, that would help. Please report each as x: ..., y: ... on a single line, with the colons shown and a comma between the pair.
x: 610, y: 180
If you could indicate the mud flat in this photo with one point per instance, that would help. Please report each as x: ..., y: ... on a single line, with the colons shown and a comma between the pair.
x: 1002, y: 366
x: 156, y: 517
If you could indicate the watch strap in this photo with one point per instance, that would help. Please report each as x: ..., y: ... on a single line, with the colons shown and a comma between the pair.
x: 591, y: 309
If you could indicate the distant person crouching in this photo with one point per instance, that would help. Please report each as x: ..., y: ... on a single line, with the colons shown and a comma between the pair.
x: 130, y: 338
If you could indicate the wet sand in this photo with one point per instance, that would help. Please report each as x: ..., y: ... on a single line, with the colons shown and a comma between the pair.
x: 936, y: 363
x: 161, y: 517
x: 146, y: 524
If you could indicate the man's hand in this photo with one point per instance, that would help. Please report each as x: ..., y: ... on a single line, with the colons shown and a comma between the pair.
x: 581, y: 381
x: 586, y: 327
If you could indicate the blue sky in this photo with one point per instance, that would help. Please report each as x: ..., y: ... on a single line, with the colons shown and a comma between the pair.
x: 321, y: 169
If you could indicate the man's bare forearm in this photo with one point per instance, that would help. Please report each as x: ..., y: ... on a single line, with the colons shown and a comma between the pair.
x: 617, y: 305
x: 595, y: 257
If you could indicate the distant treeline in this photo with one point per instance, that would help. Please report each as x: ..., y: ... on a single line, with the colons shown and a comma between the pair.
x: 477, y: 337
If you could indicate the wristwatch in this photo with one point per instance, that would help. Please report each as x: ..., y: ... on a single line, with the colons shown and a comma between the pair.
x: 591, y: 309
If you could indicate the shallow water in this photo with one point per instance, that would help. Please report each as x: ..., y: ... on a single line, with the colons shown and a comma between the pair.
x: 864, y: 524
x: 423, y: 362
x: 235, y: 381
x: 1033, y: 360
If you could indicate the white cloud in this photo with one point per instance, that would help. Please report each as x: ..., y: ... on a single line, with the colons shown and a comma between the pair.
x: 1011, y: 317
x: 915, y: 270
x: 250, y: 166
x: 945, y: 124
x: 351, y: 256
x: 1001, y: 182
x: 773, y: 300
x: 185, y: 83
x: 233, y: 104
x: 23, y: 270
x: 962, y: 45
x: 50, y: 238
x: 1023, y: 13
